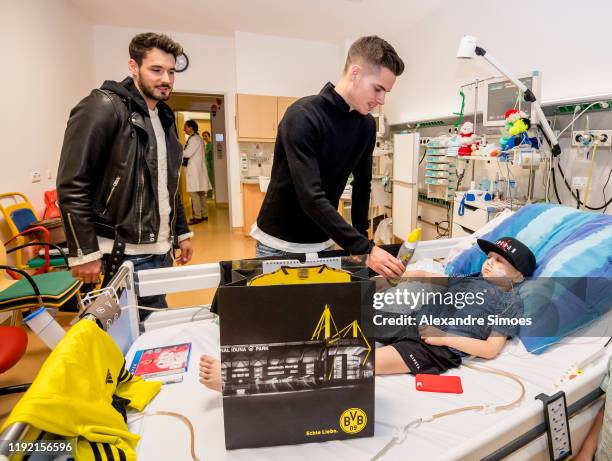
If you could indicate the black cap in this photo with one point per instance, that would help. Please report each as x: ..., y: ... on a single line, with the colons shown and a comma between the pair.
x: 513, y: 251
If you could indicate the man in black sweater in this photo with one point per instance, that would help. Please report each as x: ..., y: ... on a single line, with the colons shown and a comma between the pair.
x: 321, y: 141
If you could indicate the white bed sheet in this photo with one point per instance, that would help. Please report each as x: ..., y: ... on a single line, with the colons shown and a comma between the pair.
x: 464, y: 436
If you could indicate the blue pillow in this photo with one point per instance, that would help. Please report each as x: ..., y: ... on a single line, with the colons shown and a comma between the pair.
x: 568, y: 244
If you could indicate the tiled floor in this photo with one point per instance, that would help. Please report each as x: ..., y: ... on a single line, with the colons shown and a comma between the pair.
x: 213, y: 241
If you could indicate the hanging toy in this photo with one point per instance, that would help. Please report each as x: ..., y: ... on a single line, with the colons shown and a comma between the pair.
x: 516, y: 126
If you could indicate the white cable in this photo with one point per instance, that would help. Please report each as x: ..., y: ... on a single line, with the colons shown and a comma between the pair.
x: 577, y: 117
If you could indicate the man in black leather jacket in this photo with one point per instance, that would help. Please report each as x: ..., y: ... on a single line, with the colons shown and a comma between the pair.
x: 118, y: 176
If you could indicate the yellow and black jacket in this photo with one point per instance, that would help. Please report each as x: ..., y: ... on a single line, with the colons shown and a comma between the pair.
x: 81, y: 392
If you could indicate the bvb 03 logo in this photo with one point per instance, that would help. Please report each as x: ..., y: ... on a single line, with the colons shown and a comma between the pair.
x: 353, y: 420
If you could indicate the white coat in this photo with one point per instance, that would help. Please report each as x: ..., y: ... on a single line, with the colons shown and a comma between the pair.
x: 196, y: 175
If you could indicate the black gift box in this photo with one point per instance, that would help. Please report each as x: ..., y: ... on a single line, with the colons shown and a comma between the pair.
x: 296, y: 365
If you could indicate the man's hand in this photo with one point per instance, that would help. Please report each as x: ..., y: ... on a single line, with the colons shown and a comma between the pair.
x: 88, y: 272
x: 384, y: 263
x: 186, y: 252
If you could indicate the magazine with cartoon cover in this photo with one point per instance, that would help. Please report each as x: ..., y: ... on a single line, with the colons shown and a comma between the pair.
x: 161, y: 361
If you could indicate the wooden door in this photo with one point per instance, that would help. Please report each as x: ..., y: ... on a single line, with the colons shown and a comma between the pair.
x: 252, y: 199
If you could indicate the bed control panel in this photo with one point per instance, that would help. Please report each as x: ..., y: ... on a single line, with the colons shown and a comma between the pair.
x: 557, y: 426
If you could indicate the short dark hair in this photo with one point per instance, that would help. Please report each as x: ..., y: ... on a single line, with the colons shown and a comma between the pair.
x: 376, y: 52
x: 142, y: 43
x: 206, y: 132
x: 193, y: 125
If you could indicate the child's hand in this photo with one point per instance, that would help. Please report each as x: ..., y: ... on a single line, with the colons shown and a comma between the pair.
x: 434, y: 336
x: 435, y: 340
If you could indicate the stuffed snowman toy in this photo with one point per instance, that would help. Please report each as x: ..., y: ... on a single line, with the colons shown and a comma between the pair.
x: 467, y: 139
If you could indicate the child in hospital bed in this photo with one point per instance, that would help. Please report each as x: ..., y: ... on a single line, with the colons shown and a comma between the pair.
x: 433, y: 350
x: 508, y: 262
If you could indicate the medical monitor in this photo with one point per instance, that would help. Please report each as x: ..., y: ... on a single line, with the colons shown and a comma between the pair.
x: 501, y: 95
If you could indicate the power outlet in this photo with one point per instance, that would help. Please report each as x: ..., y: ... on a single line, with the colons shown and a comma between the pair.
x: 35, y: 176
x: 424, y: 140
x: 584, y: 138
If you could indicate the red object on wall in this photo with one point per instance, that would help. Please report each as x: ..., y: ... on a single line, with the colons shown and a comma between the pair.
x: 51, y: 208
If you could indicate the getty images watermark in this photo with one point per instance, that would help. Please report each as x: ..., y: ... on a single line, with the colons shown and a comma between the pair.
x: 469, y: 302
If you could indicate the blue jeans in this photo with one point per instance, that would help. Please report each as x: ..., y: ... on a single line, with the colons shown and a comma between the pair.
x: 142, y: 262
x: 264, y: 251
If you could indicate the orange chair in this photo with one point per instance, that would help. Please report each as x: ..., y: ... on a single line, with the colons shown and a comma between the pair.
x: 53, y: 289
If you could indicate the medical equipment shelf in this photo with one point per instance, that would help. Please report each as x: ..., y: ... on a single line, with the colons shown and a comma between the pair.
x: 441, y: 182
x: 434, y: 201
x: 478, y: 158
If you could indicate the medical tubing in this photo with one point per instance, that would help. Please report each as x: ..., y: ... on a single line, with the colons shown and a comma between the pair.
x: 604, y: 187
x: 507, y: 406
x: 588, y: 184
x: 577, y: 117
x: 399, y: 436
x: 185, y: 420
x: 554, y: 181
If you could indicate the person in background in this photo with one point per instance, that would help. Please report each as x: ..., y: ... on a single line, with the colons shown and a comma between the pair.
x: 118, y: 175
x: 210, y: 166
x: 196, y: 177
x: 321, y: 141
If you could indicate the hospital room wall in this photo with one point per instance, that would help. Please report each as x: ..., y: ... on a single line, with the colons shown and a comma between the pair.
x: 244, y: 63
x: 42, y: 82
x: 543, y: 35
x: 571, y: 68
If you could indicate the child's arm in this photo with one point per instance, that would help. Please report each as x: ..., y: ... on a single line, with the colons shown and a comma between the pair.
x: 418, y: 273
x: 589, y: 446
x: 486, y: 349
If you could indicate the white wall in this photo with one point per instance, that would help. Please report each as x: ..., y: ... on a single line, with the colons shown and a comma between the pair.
x: 211, y: 70
x: 544, y: 35
x: 280, y: 66
x: 49, y: 67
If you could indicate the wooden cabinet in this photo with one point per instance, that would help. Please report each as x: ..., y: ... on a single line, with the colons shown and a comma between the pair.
x: 252, y: 198
x: 257, y: 116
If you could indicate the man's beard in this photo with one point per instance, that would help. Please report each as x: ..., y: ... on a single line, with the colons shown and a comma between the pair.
x: 149, y: 90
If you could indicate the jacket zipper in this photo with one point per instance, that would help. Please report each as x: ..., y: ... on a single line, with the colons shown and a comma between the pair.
x: 178, y: 183
x: 140, y: 205
x: 115, y: 184
x: 76, y: 239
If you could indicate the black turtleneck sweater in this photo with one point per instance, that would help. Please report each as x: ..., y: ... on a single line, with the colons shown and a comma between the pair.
x: 320, y: 142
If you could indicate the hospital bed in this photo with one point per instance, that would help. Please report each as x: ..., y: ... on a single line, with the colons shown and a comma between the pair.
x: 403, y: 429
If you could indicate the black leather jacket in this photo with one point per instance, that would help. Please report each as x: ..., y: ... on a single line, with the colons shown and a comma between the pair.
x: 107, y: 177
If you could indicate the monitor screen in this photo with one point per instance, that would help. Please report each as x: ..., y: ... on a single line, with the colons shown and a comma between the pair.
x: 503, y: 95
